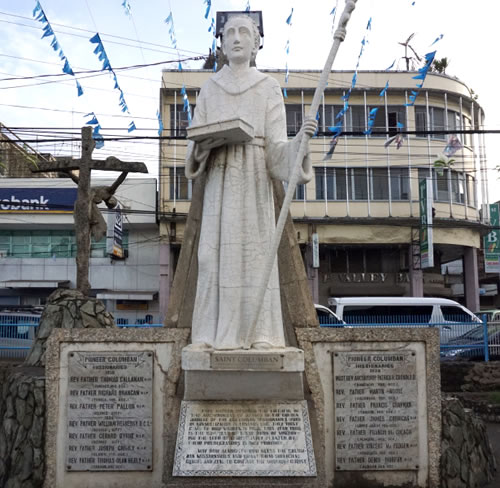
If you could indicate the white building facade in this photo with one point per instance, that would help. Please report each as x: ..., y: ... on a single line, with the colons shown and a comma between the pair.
x: 37, y: 246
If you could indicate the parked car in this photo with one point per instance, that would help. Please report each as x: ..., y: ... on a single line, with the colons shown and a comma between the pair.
x: 492, y: 315
x: 452, y: 318
x: 471, y: 344
x: 327, y: 318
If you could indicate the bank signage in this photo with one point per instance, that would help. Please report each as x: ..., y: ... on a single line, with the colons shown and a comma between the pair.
x: 426, y: 243
x: 491, y: 245
x: 46, y: 200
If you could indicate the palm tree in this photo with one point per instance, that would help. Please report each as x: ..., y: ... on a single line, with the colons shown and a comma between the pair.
x: 440, y: 65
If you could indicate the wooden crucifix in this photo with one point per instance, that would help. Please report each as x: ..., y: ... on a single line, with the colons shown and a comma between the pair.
x: 88, y: 219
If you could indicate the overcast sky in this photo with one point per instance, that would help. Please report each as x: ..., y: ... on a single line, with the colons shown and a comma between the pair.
x: 469, y: 42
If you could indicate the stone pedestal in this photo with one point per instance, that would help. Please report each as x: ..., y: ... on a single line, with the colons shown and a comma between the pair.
x: 271, y: 374
x: 244, y: 414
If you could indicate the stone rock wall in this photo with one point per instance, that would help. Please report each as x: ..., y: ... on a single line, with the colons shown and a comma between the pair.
x: 467, y: 460
x: 470, y: 376
x: 67, y: 309
x: 22, y: 411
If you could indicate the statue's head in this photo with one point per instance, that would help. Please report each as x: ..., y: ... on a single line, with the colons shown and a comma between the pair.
x: 240, y: 39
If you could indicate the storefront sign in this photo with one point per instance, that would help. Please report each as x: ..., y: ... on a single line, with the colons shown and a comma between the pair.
x: 47, y: 200
x: 491, y: 247
x: 426, y: 243
x: 315, y: 250
x: 115, y: 234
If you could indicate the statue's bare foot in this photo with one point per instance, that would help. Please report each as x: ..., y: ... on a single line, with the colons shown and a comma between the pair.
x: 199, y: 346
x: 262, y: 345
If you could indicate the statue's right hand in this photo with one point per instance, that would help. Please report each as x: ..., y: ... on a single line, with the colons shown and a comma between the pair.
x: 210, y: 143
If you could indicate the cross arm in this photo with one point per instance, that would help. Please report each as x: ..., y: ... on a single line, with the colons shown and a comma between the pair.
x: 109, y: 164
x: 114, y: 164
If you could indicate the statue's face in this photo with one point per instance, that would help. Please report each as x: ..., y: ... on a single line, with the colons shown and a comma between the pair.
x: 238, y: 40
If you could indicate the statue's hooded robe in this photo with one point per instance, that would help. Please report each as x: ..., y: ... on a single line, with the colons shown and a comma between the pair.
x: 238, y: 217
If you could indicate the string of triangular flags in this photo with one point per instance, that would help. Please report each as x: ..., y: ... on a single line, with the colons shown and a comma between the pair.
x: 214, y: 34
x: 100, y: 51
x: 39, y: 14
x: 126, y: 7
x: 287, y: 51
x: 99, y: 140
x: 336, y: 130
x: 170, y: 21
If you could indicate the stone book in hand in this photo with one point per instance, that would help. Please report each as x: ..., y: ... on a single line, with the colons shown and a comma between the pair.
x: 233, y: 131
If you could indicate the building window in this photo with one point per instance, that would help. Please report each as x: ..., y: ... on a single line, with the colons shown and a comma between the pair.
x: 471, y: 191
x: 300, y: 191
x: 395, y: 114
x: 358, y: 185
x: 441, y: 193
x: 356, y: 119
x: 420, y: 120
x: 325, y: 183
x: 379, y: 183
x: 327, y: 114
x: 180, y: 186
x: 458, y: 186
x: 400, y: 184
x: 436, y: 122
x: 467, y: 138
x: 360, y: 260
x: 330, y: 183
x: 293, y: 118
x: 179, y: 120
x: 47, y: 244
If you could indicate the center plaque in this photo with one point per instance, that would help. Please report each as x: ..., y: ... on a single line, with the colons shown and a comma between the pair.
x: 376, y: 410
x: 244, y: 439
x: 109, y: 411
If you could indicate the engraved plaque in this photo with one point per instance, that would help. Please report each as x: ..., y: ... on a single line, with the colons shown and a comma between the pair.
x: 241, y: 360
x: 244, y: 439
x: 375, y: 399
x: 109, y: 411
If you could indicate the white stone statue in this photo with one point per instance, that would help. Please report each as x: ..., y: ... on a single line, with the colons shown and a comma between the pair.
x: 238, y: 217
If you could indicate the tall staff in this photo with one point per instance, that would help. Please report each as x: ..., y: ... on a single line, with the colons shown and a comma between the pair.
x: 338, y: 37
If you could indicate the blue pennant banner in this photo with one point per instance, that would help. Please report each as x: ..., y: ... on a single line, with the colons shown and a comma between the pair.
x: 99, y: 140
x: 160, y: 123
x: 100, y: 51
x: 209, y: 6
x: 39, y: 15
x: 126, y: 7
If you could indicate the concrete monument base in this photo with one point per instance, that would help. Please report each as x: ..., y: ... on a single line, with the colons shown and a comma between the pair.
x: 271, y: 374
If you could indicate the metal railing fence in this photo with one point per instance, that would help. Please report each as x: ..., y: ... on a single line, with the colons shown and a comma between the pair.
x: 459, y: 340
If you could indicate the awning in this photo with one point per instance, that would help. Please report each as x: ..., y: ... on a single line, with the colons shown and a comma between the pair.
x: 34, y: 284
x: 126, y: 295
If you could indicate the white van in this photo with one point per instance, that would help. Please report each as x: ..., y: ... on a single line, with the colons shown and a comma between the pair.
x: 452, y: 318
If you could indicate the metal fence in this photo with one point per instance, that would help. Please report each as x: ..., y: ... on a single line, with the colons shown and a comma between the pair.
x: 18, y: 332
x: 459, y: 340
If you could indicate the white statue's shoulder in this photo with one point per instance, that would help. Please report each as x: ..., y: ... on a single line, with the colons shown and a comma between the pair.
x: 226, y: 80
